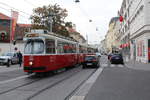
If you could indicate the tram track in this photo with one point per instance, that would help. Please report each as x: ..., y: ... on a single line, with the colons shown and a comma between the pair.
x: 52, y: 85
x: 66, y: 75
x: 9, y: 90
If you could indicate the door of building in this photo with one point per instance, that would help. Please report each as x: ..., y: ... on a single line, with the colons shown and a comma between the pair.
x: 149, y: 50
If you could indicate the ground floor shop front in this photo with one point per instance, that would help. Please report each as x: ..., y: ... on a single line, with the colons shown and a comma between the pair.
x: 140, y: 48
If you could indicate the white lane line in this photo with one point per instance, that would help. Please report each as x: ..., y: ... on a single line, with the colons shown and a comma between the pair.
x: 112, y: 65
x: 77, y: 98
x: 104, y: 65
x: 81, y: 93
x: 93, y: 78
x: 120, y: 66
x: 14, y: 79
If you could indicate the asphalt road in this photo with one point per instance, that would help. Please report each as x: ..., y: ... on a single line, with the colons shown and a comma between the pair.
x: 17, y: 85
x: 120, y: 83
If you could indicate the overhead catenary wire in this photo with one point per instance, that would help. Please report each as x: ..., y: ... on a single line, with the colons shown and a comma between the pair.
x: 83, y: 11
x: 31, y: 4
x: 9, y: 10
x: 2, y: 3
x: 88, y: 17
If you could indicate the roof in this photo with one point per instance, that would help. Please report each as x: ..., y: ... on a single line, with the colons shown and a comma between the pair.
x: 24, y: 25
x: 2, y: 16
x: 114, y: 19
x: 71, y: 30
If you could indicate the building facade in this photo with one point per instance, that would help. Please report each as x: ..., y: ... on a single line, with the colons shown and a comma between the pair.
x: 5, y: 30
x: 135, y: 29
x: 76, y: 36
x: 112, y: 39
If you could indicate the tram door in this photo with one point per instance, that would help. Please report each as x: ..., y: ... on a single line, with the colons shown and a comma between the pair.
x: 149, y: 50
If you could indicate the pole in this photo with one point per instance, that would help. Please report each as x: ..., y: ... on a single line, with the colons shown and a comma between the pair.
x: 51, y: 22
x: 10, y: 33
x: 87, y: 38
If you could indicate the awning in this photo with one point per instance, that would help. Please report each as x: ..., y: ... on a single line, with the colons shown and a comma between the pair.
x: 124, y: 45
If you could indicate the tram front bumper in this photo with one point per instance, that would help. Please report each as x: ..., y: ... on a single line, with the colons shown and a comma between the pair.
x: 34, y: 69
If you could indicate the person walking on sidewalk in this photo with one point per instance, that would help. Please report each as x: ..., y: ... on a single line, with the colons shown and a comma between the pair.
x: 19, y: 54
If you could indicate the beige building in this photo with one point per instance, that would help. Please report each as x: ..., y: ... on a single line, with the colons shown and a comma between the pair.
x: 113, y: 37
x: 102, y: 47
x: 76, y: 35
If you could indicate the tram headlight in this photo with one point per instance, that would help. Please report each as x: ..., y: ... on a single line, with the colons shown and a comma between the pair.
x: 30, y: 63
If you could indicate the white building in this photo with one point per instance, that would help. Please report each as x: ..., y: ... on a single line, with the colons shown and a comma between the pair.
x: 7, y: 47
x: 135, y: 29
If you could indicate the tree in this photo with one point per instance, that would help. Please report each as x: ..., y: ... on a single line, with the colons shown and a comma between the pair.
x: 69, y: 24
x: 40, y: 18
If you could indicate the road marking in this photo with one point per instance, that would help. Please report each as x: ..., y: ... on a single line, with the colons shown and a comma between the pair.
x: 81, y: 93
x: 77, y: 98
x: 104, y: 65
x: 112, y: 65
x: 120, y: 66
x: 14, y: 79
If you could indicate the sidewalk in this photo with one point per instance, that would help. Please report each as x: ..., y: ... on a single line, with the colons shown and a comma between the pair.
x: 137, y: 65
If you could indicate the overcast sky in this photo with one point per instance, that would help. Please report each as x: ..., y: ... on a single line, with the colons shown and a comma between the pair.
x: 99, y: 11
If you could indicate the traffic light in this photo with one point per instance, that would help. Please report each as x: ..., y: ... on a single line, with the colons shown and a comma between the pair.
x: 14, y: 42
x: 2, y: 36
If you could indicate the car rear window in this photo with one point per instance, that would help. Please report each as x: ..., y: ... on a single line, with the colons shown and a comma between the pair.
x: 90, y: 57
x: 116, y: 55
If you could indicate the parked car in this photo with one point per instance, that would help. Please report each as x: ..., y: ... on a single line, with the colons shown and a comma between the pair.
x: 91, y: 61
x: 9, y: 58
x: 116, y: 59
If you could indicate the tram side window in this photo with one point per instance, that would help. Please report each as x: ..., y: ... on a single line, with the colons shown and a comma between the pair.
x: 50, y: 46
x: 73, y: 48
x: 82, y: 49
x: 60, y: 48
x: 69, y: 48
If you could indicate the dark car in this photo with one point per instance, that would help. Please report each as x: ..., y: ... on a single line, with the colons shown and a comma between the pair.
x: 9, y: 58
x: 116, y: 59
x: 91, y: 61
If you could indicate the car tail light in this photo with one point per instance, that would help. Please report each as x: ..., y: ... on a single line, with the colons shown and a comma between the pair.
x: 94, y: 60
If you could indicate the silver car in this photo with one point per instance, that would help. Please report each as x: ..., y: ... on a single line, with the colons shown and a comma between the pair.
x: 9, y: 58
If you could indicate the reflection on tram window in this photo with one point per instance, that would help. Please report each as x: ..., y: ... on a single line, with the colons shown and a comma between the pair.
x: 50, y: 46
x: 34, y: 47
x: 64, y: 47
x: 38, y: 47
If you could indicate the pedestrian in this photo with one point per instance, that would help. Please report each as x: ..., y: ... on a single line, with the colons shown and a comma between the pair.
x: 8, y: 63
x: 19, y: 54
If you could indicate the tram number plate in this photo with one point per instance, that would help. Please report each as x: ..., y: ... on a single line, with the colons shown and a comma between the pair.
x: 89, y: 64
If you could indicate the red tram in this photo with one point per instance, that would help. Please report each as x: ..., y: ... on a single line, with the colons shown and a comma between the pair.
x: 48, y: 52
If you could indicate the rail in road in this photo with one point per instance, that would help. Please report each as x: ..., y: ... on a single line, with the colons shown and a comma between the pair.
x: 28, y: 81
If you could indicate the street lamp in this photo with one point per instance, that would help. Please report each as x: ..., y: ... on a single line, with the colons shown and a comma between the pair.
x: 77, y: 1
x: 50, y: 17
